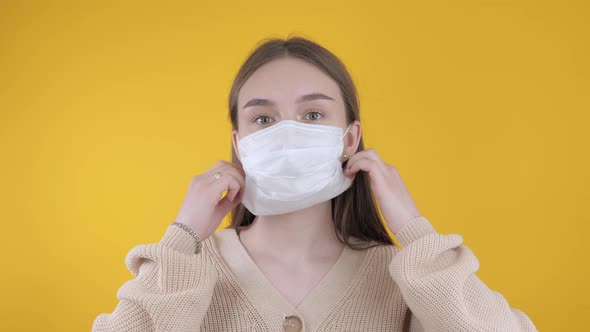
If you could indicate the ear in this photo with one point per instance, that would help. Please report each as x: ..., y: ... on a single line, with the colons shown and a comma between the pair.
x: 352, y: 139
x: 235, y: 137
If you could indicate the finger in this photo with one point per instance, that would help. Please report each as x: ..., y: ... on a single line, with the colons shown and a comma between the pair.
x: 239, y: 176
x: 225, y: 205
x: 372, y: 154
x: 369, y: 154
x: 228, y: 182
x: 368, y: 165
x: 219, y: 166
x: 222, y: 166
x: 238, y: 168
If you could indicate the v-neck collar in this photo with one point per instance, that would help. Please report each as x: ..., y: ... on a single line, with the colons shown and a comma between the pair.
x: 318, y: 303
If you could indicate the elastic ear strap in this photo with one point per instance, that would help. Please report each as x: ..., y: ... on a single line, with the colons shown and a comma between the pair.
x: 346, y: 132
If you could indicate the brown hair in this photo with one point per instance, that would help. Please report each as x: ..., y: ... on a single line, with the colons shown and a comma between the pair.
x: 354, y: 211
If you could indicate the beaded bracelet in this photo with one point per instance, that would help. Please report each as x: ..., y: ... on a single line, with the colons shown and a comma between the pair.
x: 191, y: 232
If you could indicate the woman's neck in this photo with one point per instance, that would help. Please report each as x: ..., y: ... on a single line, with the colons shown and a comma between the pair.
x: 298, y: 236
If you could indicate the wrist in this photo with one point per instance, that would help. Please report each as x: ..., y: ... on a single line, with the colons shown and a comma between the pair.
x: 190, y: 231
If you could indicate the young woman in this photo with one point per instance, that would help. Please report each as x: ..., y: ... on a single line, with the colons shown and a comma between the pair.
x: 306, y: 249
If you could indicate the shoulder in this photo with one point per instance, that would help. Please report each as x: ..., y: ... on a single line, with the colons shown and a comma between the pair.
x: 382, y: 254
x: 375, y: 257
x: 222, y: 243
x: 374, y: 249
x: 374, y: 277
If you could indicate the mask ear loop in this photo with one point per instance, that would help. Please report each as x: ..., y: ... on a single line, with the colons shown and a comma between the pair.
x: 346, y: 132
x: 345, y: 156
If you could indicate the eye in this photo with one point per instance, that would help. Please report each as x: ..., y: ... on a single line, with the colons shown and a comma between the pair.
x: 264, y: 119
x: 316, y: 116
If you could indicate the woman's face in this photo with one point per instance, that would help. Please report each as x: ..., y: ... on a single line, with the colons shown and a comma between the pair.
x: 290, y: 89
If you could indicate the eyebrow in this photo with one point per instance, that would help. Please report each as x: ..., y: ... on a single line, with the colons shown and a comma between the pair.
x: 307, y: 97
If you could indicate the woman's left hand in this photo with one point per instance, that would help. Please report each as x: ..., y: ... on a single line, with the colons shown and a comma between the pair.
x: 397, y: 206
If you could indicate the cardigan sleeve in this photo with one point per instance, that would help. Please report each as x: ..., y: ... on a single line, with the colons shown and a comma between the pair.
x: 171, y: 291
x: 436, y: 276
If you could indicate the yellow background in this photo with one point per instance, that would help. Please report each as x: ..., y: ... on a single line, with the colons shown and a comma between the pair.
x: 107, y: 110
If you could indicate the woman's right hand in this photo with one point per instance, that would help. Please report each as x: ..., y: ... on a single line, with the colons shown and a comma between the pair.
x: 202, y: 209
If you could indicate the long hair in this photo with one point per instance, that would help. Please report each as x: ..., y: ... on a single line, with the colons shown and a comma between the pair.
x: 354, y: 211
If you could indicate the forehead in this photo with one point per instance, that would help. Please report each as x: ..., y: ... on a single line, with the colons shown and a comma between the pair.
x: 283, y: 80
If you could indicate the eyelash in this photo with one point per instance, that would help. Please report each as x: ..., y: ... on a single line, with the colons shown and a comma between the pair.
x: 263, y: 115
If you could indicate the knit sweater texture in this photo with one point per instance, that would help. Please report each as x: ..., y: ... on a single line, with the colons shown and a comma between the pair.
x: 428, y: 285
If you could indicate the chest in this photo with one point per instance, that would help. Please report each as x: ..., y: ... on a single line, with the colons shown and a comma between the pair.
x: 294, y: 282
x: 372, y: 304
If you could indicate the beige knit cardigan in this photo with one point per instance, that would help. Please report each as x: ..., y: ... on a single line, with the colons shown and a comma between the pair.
x: 428, y: 285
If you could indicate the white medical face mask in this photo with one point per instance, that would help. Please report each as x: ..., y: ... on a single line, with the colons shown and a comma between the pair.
x: 291, y: 166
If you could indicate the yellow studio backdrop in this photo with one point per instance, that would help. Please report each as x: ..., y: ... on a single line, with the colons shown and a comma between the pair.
x: 108, y: 108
